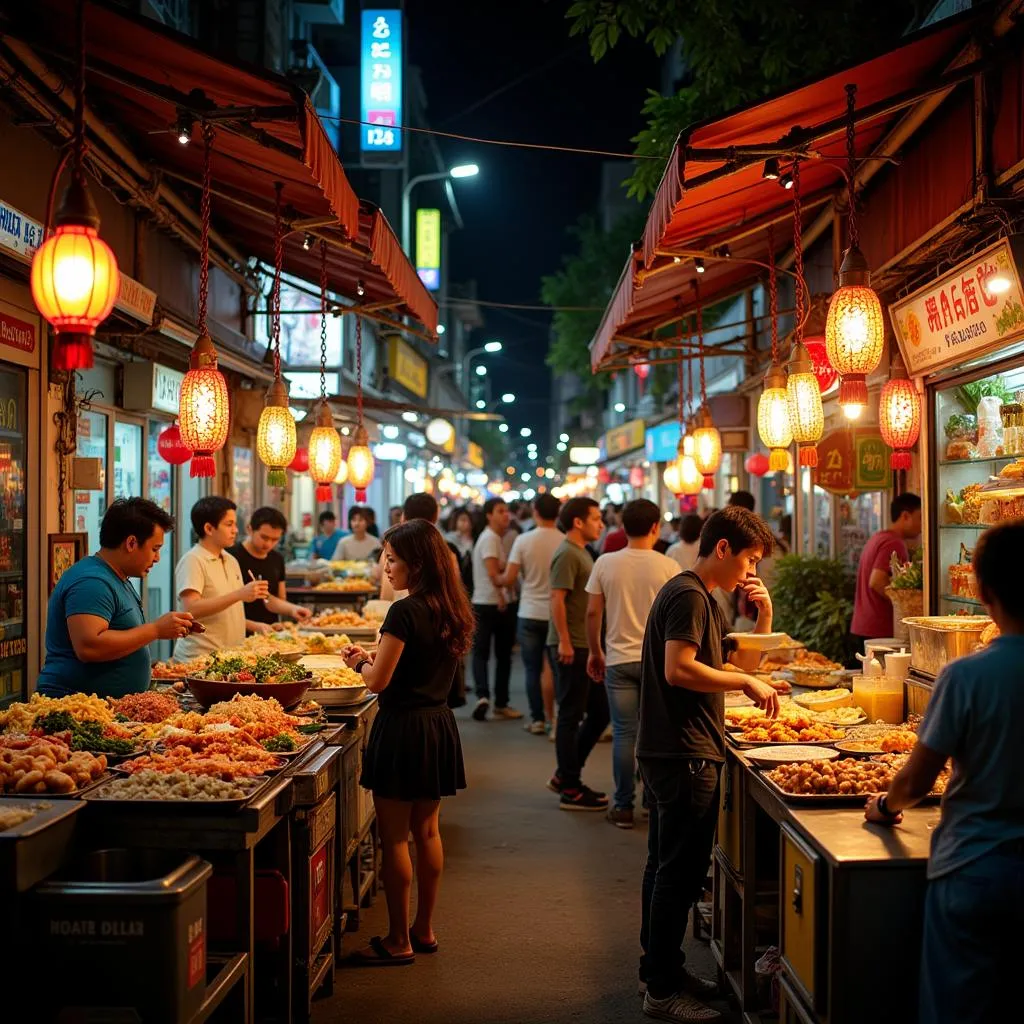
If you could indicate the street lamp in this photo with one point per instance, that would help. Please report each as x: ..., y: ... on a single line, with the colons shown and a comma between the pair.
x: 508, y: 398
x: 525, y: 432
x: 492, y: 346
x: 463, y: 367
x: 503, y: 428
x: 481, y: 370
x: 459, y: 171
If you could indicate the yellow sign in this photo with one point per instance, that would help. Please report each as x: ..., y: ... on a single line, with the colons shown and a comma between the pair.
x: 625, y: 438
x: 406, y: 367
x: 474, y: 455
x: 428, y: 248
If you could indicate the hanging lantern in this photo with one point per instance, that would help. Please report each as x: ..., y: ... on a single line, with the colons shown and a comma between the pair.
x: 756, y: 464
x: 642, y: 370
x: 824, y: 372
x: 671, y: 478
x: 300, y: 463
x: 203, y: 408
x: 690, y: 479
x: 855, y: 329
x: 74, y: 277
x: 773, y: 417
x: 806, y: 416
x: 171, y: 448
x: 360, y: 463
x: 440, y: 432
x: 899, y: 417
x: 276, y: 437
x: 342, y: 475
x: 707, y: 449
x: 324, y: 452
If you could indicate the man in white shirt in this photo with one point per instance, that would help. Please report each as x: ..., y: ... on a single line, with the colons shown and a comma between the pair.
x: 360, y: 545
x: 495, y: 614
x: 209, y: 582
x: 622, y: 588
x: 530, y: 559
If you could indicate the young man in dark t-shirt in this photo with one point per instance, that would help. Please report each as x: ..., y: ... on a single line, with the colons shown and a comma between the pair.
x: 259, y: 560
x: 681, y: 744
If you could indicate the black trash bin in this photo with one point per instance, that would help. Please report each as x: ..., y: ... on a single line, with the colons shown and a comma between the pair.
x: 125, y: 931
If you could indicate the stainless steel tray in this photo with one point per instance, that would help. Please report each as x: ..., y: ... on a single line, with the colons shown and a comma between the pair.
x: 256, y: 785
x: 36, y: 848
x: 936, y: 640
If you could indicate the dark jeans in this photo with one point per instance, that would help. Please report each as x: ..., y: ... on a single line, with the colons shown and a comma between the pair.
x: 972, y: 942
x: 683, y: 798
x: 582, y: 715
x: 501, y: 627
x: 532, y: 635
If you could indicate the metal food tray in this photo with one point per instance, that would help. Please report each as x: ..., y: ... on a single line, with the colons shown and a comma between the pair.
x: 932, y: 647
x: 260, y: 783
x: 827, y: 799
x: 73, y: 795
x: 36, y: 848
x: 352, y: 631
x: 338, y: 696
x: 754, y: 744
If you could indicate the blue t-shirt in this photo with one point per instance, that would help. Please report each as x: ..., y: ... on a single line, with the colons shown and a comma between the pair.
x: 324, y: 547
x: 974, y: 716
x: 91, y: 587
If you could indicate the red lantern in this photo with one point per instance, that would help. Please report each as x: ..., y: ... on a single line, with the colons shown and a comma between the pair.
x: 300, y: 464
x: 604, y: 476
x: 823, y: 369
x: 899, y: 418
x: 756, y: 464
x: 642, y: 370
x: 171, y: 447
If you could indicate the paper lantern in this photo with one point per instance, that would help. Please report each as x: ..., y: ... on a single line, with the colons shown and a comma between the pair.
x: 203, y: 408
x: 360, y: 463
x: 301, y: 461
x: 642, y: 370
x: 707, y: 449
x: 171, y: 448
x: 899, y: 418
x: 440, y: 432
x: 342, y: 475
x: 806, y: 416
x: 276, y: 439
x: 324, y: 452
x: 854, y: 332
x: 690, y: 479
x: 756, y: 464
x: 671, y: 478
x: 773, y: 417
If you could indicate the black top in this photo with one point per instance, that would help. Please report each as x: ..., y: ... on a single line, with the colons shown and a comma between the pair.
x: 676, y: 722
x: 271, y: 569
x: 423, y: 675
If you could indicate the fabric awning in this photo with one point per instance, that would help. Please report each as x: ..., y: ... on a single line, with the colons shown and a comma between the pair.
x: 140, y: 74
x: 705, y: 201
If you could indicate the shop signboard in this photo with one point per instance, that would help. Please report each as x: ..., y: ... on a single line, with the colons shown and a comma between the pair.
x: 474, y: 454
x: 19, y: 234
x: 381, y: 68
x: 662, y: 441
x: 850, y: 461
x: 871, y: 462
x: 135, y: 299
x: 428, y: 248
x: 150, y: 386
x: 17, y: 333
x: 407, y: 367
x: 973, y: 308
x: 624, y: 438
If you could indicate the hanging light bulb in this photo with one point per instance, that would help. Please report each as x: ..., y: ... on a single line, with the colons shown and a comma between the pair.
x: 855, y: 329
x: 707, y: 442
x: 773, y: 405
x: 899, y: 417
x: 74, y: 278
x: 324, y: 441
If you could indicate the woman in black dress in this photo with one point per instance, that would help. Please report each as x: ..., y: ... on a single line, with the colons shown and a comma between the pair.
x: 414, y: 756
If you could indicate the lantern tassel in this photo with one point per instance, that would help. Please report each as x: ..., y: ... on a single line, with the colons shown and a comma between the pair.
x: 277, y: 477
x: 809, y: 455
x: 899, y: 460
x: 709, y: 482
x: 73, y: 352
x: 323, y: 492
x: 778, y: 460
x: 361, y: 495
x: 853, y: 390
x: 202, y: 465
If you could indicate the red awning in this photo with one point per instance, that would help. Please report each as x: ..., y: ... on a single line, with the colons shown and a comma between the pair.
x: 141, y: 72
x: 704, y: 201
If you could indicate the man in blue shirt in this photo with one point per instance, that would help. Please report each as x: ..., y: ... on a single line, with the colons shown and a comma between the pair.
x: 326, y: 541
x: 974, y: 907
x: 97, y: 639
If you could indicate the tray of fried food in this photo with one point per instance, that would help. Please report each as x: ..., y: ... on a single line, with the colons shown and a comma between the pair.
x: 878, y: 738
x: 20, y: 717
x: 321, y: 643
x: 223, y: 757
x: 150, y: 706
x: 349, y: 585
x: 790, y: 727
x: 178, y: 791
x: 846, y: 781
x: 736, y: 718
x: 897, y: 761
x: 46, y: 765
x: 284, y: 643
x: 337, y: 620
x: 171, y: 671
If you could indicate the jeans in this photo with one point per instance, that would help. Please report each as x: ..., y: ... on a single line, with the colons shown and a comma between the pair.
x: 973, y: 944
x: 532, y: 635
x: 501, y: 626
x: 622, y: 683
x: 582, y: 715
x: 683, y: 798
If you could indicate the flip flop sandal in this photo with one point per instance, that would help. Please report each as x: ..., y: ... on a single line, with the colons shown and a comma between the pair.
x: 384, y: 957
x: 419, y: 946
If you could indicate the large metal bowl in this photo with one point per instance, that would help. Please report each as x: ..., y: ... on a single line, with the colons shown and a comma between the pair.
x: 210, y: 691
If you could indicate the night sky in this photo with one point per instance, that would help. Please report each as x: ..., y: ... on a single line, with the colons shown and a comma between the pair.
x: 517, y: 210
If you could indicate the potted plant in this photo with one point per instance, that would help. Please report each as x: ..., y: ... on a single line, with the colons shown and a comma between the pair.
x: 905, y: 590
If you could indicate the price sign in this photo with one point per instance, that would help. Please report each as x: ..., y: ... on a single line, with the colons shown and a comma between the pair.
x: 871, y: 463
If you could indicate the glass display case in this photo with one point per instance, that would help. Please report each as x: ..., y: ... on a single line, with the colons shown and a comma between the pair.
x: 13, y: 642
x: 979, y: 475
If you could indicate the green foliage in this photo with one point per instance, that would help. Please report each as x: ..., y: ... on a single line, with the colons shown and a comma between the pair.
x: 736, y: 52
x: 969, y: 395
x: 907, y: 575
x: 813, y: 601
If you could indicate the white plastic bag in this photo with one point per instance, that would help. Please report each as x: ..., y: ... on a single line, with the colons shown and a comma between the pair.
x: 990, y: 426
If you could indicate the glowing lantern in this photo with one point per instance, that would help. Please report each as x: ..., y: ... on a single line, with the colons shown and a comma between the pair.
x: 756, y: 464
x: 440, y: 432
x: 707, y: 449
x: 671, y: 478
x: 301, y: 461
x: 360, y: 463
x: 773, y: 417
x: 899, y: 418
x: 171, y: 448
x: 342, y: 475
x: 642, y: 370
x: 806, y: 416
x: 324, y: 452
x: 203, y: 408
x: 276, y: 438
x: 689, y: 477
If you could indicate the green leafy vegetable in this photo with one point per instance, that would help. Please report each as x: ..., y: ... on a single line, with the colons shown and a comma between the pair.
x: 279, y: 743
x: 969, y: 395
x: 84, y: 735
x: 907, y: 575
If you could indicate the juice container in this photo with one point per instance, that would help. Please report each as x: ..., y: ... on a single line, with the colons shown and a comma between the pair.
x: 881, y: 697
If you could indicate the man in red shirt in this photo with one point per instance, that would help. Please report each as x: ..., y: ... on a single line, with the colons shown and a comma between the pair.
x: 872, y: 610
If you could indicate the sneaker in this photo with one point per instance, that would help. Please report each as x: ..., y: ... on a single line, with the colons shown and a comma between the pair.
x: 581, y: 800
x: 507, y: 712
x: 534, y: 728
x: 621, y: 817
x: 480, y: 711
x: 679, y: 1007
x: 596, y: 794
x: 695, y: 985
x: 555, y: 784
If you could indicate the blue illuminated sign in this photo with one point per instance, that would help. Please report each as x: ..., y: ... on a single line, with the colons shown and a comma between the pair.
x: 381, y: 81
x: 662, y: 441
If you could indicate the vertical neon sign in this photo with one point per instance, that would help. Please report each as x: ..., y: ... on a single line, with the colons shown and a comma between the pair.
x: 381, y: 81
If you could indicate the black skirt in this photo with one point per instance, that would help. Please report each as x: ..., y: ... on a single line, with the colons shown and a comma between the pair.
x: 414, y: 754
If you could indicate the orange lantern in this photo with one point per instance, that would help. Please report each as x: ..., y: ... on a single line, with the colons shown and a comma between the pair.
x: 324, y: 452
x: 276, y: 436
x: 203, y: 408
x: 899, y: 417
x: 360, y: 463
x: 707, y: 449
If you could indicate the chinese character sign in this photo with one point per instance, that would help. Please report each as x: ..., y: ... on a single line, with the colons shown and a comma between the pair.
x: 969, y: 310
x: 428, y: 248
x: 381, y: 81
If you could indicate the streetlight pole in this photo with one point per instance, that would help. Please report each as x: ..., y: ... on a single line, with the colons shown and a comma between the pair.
x: 463, y: 367
x: 461, y: 171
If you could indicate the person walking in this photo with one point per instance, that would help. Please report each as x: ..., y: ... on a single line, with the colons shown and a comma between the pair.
x: 530, y: 559
x: 681, y: 745
x: 622, y: 588
x: 684, y: 551
x: 975, y: 898
x: 582, y: 704
x: 495, y: 615
x: 414, y: 756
